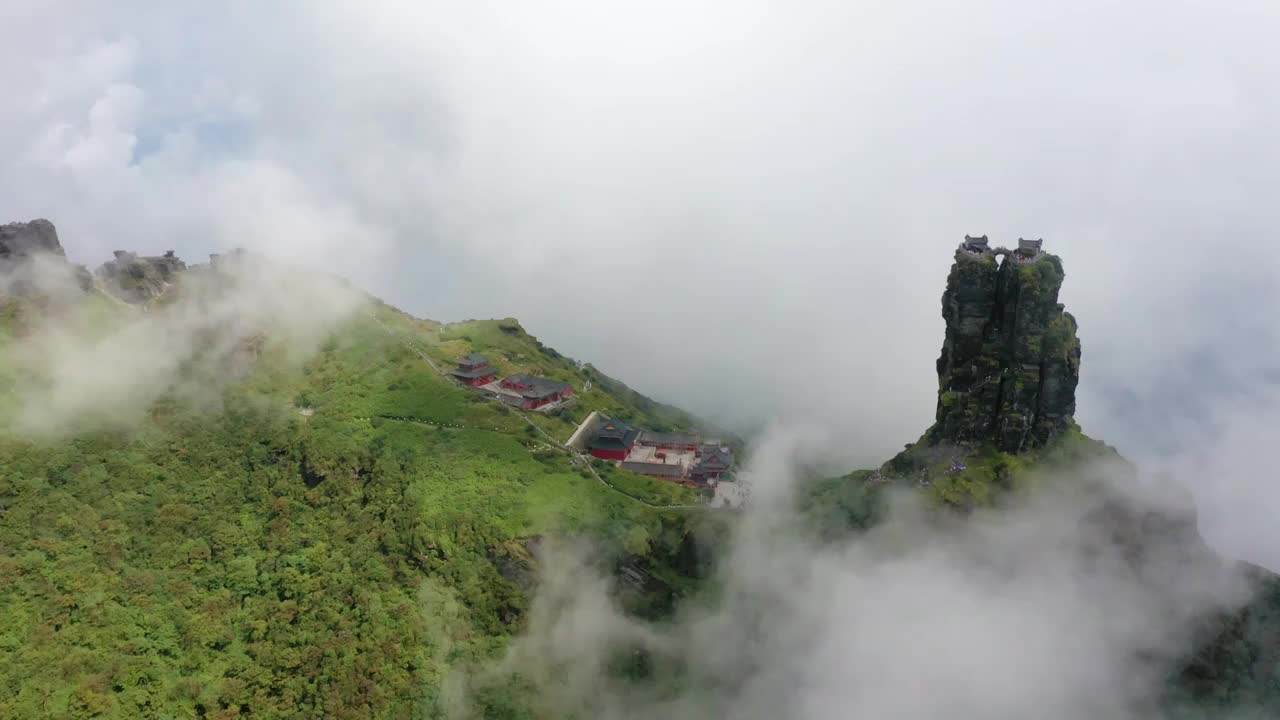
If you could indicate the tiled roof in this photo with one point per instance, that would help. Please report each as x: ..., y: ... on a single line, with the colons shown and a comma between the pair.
x: 474, y: 372
x: 714, y: 459
x: 614, y: 435
x: 538, y: 387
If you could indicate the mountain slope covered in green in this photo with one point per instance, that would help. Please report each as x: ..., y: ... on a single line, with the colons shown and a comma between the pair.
x: 344, y: 534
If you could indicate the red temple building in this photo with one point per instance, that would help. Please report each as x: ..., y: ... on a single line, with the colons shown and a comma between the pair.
x: 713, y: 462
x: 474, y: 370
x: 531, y: 393
x: 613, y: 441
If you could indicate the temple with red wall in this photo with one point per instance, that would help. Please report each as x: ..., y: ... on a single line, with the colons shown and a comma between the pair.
x: 532, y: 392
x: 713, y: 463
x: 474, y: 370
x: 613, y: 441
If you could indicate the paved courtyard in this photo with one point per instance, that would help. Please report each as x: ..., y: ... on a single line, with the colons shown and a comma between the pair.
x: 496, y: 388
x: 648, y: 454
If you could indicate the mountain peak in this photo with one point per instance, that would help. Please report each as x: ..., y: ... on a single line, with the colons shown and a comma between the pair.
x: 1010, y: 362
x: 24, y: 239
x: 138, y: 279
x: 26, y: 249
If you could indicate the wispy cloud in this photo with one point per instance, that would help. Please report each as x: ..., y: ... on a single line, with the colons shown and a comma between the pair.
x: 80, y: 369
x: 1051, y: 610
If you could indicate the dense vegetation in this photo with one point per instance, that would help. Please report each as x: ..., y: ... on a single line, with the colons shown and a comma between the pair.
x: 953, y: 477
x: 347, y: 537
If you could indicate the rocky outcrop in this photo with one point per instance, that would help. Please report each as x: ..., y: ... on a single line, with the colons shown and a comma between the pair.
x: 22, y: 240
x: 140, y: 279
x: 1007, y: 377
x: 22, y: 245
x: 1010, y: 362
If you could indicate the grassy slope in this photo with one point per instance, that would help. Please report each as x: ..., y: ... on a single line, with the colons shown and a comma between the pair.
x: 989, y: 472
x: 855, y: 501
x: 262, y: 562
x: 514, y: 351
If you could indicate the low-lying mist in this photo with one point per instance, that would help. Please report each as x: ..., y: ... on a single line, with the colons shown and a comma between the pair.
x: 1071, y: 605
x: 98, y: 362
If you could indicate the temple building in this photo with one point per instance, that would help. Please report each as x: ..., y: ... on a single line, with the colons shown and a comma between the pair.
x: 126, y: 262
x: 977, y: 244
x: 613, y: 441
x: 1029, y: 248
x: 475, y: 370
x: 713, y: 462
x: 530, y: 393
x: 168, y: 264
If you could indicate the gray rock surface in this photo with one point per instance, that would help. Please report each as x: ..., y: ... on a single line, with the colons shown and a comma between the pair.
x: 21, y: 243
x: 140, y: 279
x: 21, y: 240
x: 1010, y: 362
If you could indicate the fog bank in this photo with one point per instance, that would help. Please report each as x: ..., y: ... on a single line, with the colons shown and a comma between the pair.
x: 1035, y: 612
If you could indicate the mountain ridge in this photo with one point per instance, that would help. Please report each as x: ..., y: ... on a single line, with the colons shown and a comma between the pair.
x: 334, y: 529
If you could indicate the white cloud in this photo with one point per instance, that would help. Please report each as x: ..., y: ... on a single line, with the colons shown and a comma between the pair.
x: 1033, y: 612
x: 80, y: 370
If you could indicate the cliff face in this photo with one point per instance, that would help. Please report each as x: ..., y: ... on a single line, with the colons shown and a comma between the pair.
x: 20, y: 246
x: 140, y: 279
x: 1010, y: 363
x: 33, y: 263
x: 21, y: 240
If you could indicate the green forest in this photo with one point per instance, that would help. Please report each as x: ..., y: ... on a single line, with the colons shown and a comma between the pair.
x: 345, y: 537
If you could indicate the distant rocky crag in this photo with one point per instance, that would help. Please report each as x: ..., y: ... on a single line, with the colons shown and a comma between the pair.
x: 1010, y: 362
x: 22, y: 244
x: 140, y: 279
x: 22, y: 240
x: 33, y: 264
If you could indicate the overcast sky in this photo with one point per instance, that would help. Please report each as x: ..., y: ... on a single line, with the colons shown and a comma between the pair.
x: 746, y: 208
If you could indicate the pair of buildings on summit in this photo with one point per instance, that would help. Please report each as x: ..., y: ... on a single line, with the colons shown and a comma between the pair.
x: 527, y: 392
x: 1026, y: 250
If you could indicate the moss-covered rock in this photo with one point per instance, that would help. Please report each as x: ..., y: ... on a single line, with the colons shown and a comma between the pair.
x: 140, y: 279
x: 1007, y: 377
x: 22, y: 246
x: 1010, y: 362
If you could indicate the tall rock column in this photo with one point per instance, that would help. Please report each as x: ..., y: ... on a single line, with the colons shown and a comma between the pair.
x: 1010, y: 362
x: 969, y: 369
